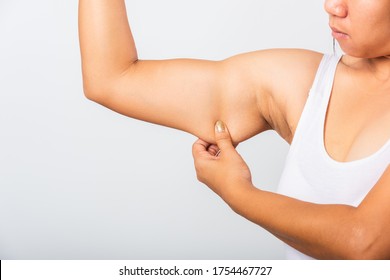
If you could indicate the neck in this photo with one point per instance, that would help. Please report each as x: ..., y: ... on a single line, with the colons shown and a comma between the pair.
x: 376, y: 67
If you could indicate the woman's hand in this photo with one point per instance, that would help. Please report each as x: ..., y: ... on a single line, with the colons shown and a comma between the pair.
x: 220, y: 166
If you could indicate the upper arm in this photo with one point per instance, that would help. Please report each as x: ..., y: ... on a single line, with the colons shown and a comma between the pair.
x: 186, y: 94
x: 374, y: 220
x: 248, y: 92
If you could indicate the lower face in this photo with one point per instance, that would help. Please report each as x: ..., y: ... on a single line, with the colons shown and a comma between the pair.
x: 365, y: 31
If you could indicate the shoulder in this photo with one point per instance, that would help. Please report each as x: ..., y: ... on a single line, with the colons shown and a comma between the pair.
x: 279, y: 78
x: 297, y: 70
x: 286, y: 75
x: 286, y: 70
x: 284, y: 60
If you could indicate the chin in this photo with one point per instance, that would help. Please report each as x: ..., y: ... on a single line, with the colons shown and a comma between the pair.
x: 358, y: 53
x: 362, y: 52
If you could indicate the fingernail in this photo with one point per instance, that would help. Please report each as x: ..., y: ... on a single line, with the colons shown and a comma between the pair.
x: 220, y: 127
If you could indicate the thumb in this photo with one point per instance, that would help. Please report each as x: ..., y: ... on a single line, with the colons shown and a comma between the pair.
x: 222, y: 136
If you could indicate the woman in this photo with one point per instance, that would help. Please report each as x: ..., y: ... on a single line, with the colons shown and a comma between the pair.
x: 335, y: 190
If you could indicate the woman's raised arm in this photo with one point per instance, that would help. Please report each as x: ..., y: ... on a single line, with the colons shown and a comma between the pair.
x: 186, y: 94
x: 249, y: 92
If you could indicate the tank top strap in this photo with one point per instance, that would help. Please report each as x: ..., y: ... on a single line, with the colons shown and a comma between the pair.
x: 324, y: 78
x: 319, y: 95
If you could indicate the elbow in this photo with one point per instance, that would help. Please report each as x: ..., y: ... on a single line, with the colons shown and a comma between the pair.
x: 364, y: 244
x: 95, y: 91
x: 98, y: 86
x: 90, y: 93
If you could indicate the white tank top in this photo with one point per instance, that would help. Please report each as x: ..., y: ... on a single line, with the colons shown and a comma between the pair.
x: 310, y: 174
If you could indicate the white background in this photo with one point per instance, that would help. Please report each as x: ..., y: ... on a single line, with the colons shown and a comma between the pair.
x: 78, y: 181
x: 281, y: 269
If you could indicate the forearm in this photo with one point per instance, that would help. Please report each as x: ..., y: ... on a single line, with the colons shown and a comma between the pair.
x: 106, y: 43
x: 321, y: 231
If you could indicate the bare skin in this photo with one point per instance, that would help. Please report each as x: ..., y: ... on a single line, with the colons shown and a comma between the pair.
x: 254, y: 92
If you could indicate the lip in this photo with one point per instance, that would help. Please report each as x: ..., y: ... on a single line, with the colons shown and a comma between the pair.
x: 338, y: 34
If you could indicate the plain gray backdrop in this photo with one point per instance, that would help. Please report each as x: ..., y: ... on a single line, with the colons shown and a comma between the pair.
x: 78, y: 181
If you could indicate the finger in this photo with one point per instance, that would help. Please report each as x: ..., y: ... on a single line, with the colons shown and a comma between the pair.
x: 200, y: 147
x: 222, y: 137
x: 213, y: 150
